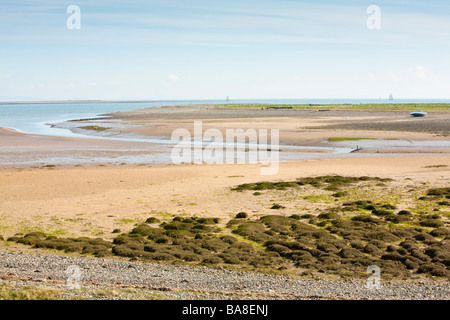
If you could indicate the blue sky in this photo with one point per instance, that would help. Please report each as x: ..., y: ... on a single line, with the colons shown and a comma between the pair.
x: 207, y: 49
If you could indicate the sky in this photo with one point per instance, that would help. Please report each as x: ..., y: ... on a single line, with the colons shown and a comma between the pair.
x: 208, y: 49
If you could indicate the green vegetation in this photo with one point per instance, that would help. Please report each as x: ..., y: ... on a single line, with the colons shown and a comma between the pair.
x: 49, y: 166
x: 330, y: 244
x: 95, y: 128
x: 9, y: 292
x: 349, y: 246
x: 367, y: 225
x: 241, y: 215
x: 152, y: 220
x: 126, y: 221
x: 439, y: 192
x: 330, y: 183
x: 337, y: 139
x: 407, y: 107
x: 35, y: 292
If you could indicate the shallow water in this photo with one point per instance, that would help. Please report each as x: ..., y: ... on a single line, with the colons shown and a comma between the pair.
x: 32, y: 118
x: 51, y: 119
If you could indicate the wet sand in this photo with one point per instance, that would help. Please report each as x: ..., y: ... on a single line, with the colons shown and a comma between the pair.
x: 23, y: 150
x: 296, y: 127
x: 146, y: 135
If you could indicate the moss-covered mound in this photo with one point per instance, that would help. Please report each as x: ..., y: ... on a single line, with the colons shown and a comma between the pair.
x: 331, y: 183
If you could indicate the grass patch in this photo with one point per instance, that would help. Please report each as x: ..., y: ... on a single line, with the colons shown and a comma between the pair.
x: 8, y: 292
x: 331, y: 183
x: 241, y: 215
x: 337, y: 139
x: 439, y: 192
x: 95, y: 128
x: 126, y: 221
x: 326, y: 244
x: 49, y: 166
x: 369, y: 226
x: 407, y: 107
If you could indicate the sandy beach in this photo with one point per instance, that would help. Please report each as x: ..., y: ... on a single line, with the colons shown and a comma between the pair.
x: 87, y: 186
x: 93, y: 201
x: 292, y: 150
x: 91, y: 187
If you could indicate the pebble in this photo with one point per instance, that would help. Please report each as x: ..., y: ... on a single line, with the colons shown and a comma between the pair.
x: 171, y: 278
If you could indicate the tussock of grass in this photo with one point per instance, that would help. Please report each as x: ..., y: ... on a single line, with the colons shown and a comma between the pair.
x: 242, y: 215
x: 439, y: 192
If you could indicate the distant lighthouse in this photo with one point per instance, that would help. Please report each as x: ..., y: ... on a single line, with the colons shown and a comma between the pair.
x: 391, y: 97
x: 228, y: 98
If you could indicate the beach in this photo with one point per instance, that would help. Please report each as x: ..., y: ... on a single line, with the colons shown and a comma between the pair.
x: 211, y: 150
x: 89, y: 201
x: 96, y: 185
x: 144, y: 136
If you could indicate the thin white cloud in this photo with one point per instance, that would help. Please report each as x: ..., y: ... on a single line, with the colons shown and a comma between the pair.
x: 172, y: 78
x: 420, y: 72
x: 214, y: 23
x: 393, y: 76
x: 116, y: 83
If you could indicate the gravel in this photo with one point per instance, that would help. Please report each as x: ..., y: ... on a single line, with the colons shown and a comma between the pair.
x: 215, y: 283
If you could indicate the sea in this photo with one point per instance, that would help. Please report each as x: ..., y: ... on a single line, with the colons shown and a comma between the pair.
x: 37, y: 118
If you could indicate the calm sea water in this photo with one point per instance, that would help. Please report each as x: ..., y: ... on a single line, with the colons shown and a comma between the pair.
x: 35, y: 118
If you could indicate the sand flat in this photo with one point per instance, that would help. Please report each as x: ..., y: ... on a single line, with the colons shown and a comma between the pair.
x: 72, y: 187
x: 88, y: 193
x: 95, y: 200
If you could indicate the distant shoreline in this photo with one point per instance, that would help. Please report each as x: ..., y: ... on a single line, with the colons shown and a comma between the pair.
x: 251, y: 102
x: 88, y: 101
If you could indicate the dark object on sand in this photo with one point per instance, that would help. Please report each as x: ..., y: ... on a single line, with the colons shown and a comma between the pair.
x: 418, y: 114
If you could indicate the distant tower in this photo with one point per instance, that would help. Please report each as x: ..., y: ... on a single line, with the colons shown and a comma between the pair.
x: 228, y: 98
x: 391, y: 97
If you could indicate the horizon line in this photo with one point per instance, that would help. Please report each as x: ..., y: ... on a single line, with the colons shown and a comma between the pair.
x: 80, y: 101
